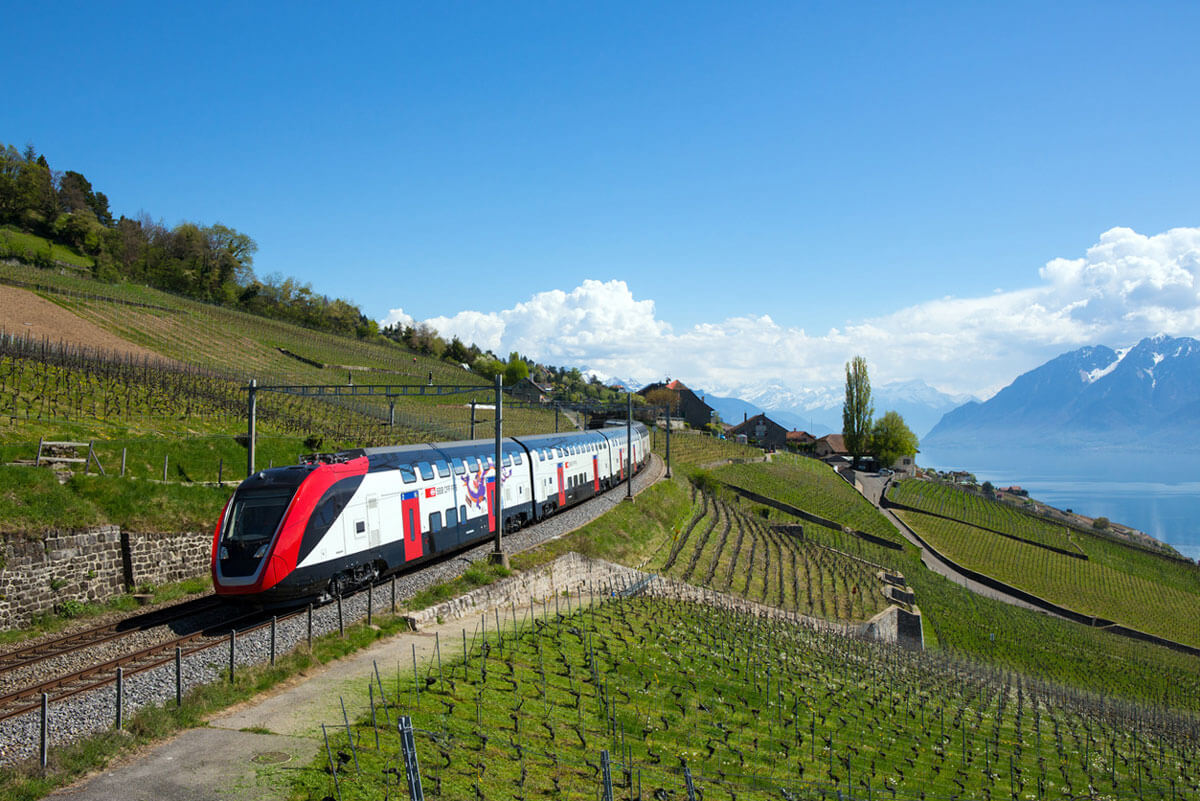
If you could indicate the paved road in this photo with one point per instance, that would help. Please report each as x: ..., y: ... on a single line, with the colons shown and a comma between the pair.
x: 873, y: 487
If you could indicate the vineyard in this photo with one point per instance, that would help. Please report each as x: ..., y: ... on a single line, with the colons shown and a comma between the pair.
x: 948, y: 501
x: 812, y: 486
x: 692, y: 449
x: 1085, y: 586
x: 724, y: 549
x: 748, y: 708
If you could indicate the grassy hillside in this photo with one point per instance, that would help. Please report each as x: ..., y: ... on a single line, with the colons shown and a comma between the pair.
x: 812, y: 486
x: 189, y: 407
x: 1132, y: 586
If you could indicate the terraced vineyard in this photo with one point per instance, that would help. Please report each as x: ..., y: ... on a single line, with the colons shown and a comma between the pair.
x: 691, y: 449
x: 1082, y: 585
x: 753, y: 709
x: 726, y: 550
x: 813, y: 487
x: 942, y: 499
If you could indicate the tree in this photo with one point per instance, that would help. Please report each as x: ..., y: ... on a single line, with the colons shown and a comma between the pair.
x: 664, y: 397
x: 857, y: 410
x: 988, y: 489
x: 1100, y: 523
x: 515, y: 370
x: 891, y: 438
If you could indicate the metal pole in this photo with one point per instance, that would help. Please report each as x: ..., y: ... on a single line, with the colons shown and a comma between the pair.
x: 310, y: 626
x: 668, y: 441
x: 232, y: 652
x: 45, y: 740
x: 629, y: 445
x: 120, y: 697
x: 123, y: 450
x: 251, y: 413
x: 555, y: 418
x: 498, y: 556
x: 178, y: 676
x: 472, y: 419
x: 274, y: 624
x: 164, y: 468
x: 391, y: 413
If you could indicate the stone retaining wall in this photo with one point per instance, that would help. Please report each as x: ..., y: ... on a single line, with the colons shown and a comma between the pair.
x: 579, y: 575
x: 37, y: 575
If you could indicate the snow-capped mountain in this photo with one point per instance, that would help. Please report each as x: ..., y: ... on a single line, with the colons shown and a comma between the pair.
x: 1141, y: 398
x: 819, y: 410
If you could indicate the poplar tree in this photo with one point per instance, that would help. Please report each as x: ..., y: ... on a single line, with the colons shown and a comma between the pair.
x: 857, y: 410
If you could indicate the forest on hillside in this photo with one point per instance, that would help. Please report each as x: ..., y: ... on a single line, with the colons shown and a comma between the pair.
x: 210, y: 263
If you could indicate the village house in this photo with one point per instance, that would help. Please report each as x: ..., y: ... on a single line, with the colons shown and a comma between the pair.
x: 801, y: 441
x: 830, y: 445
x: 531, y: 391
x: 760, y: 430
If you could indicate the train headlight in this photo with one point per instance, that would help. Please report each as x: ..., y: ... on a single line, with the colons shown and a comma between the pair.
x: 223, y: 554
x: 262, y: 550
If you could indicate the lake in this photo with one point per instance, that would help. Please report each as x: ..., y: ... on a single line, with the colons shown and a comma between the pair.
x: 1158, y: 496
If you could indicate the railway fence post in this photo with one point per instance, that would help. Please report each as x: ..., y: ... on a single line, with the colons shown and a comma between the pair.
x: 274, y: 624
x: 178, y: 676
x: 393, y: 595
x: 310, y: 627
x: 370, y: 604
x: 165, y: 468
x: 123, y: 452
x: 120, y: 698
x: 221, y: 471
x: 232, y: 652
x: 251, y: 410
x: 44, y: 750
x: 341, y: 620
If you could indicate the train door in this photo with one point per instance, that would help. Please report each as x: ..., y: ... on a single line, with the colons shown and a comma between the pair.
x: 410, y: 512
x: 595, y: 472
x: 373, y: 521
x: 491, y: 502
x: 562, y: 490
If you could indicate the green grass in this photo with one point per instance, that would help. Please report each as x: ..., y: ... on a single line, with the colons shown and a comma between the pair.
x: 754, y: 709
x: 32, y: 501
x: 22, y: 245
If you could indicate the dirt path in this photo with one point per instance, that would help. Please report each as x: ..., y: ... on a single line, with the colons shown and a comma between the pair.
x: 23, y: 313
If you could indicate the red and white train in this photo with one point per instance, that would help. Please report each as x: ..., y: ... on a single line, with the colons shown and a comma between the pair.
x: 320, y: 528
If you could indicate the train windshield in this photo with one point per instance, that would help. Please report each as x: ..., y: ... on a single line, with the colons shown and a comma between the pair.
x: 255, y: 515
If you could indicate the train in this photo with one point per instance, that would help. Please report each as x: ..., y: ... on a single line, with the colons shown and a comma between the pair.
x: 338, y: 521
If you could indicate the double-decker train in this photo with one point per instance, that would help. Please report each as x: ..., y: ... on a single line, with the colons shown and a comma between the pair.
x: 338, y: 521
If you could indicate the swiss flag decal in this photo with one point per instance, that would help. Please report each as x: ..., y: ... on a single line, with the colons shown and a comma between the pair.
x: 431, y: 492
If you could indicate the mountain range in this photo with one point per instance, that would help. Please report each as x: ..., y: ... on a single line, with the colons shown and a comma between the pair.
x: 1144, y: 398
x: 819, y: 411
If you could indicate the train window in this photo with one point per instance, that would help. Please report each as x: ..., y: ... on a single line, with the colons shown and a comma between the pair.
x: 359, y: 526
x: 506, y: 460
x: 443, y: 469
x: 541, y: 454
x: 451, y: 518
x: 460, y: 466
x: 516, y: 458
x: 426, y: 470
x: 406, y: 472
x: 462, y: 513
x: 435, y: 521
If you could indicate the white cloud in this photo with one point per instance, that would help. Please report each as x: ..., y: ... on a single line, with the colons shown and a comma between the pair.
x: 1125, y: 287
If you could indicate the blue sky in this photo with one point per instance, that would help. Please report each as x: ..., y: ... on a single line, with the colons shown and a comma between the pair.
x: 769, y: 188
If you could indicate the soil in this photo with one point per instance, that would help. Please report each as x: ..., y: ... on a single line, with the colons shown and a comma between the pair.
x: 22, y: 313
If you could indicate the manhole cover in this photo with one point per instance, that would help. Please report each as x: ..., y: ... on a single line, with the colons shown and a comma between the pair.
x: 271, y: 757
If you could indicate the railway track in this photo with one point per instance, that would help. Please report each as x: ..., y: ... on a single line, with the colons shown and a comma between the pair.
x: 51, y: 666
x: 98, y: 673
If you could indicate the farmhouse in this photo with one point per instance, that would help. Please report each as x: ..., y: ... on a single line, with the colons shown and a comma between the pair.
x: 760, y: 430
x: 531, y: 391
x: 800, y: 441
x: 830, y: 445
x: 693, y: 409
